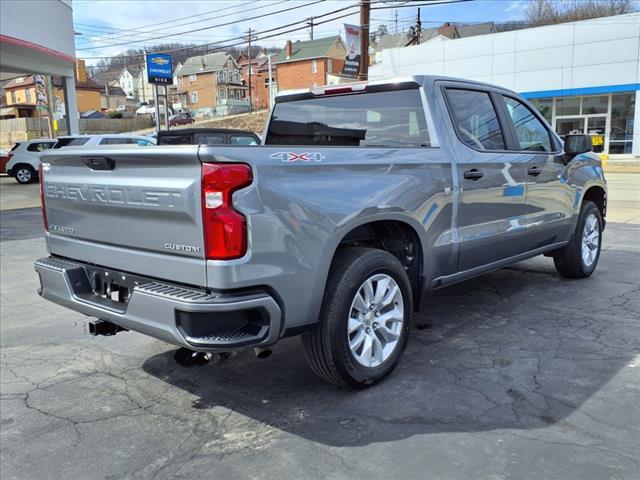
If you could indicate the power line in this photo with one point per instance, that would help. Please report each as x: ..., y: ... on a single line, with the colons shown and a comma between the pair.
x: 216, y: 46
x: 214, y: 26
x: 116, y: 31
x: 241, y: 37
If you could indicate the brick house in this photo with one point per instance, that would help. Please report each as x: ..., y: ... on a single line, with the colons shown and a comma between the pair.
x: 259, y: 78
x: 210, y: 85
x: 21, y: 94
x: 304, y: 64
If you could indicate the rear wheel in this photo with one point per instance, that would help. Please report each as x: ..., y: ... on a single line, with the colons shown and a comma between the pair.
x: 580, y: 257
x: 364, y: 322
x: 24, y: 174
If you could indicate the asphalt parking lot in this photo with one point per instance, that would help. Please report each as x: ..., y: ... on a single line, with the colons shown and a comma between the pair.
x: 518, y: 374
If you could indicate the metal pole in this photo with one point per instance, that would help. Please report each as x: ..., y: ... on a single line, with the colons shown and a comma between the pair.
x: 155, y: 95
x: 250, y: 94
x: 270, y: 82
x: 310, y: 23
x: 166, y: 106
x: 365, y: 10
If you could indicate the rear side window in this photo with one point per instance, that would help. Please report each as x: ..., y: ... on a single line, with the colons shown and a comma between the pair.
x: 39, y: 146
x: 116, y: 141
x: 376, y: 119
x: 71, y: 142
x: 210, y: 139
x: 15, y: 147
x: 532, y: 134
x: 475, y: 119
x: 175, y: 139
x: 242, y: 140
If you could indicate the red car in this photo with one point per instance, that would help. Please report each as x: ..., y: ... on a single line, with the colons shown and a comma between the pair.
x: 4, y: 158
x: 180, y: 119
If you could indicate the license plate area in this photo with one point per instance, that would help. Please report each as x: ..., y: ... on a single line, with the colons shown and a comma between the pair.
x: 112, y: 285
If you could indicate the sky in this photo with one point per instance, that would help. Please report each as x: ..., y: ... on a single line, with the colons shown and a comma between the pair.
x: 101, y: 23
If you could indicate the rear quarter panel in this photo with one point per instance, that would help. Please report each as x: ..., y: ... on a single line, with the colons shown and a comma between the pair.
x: 299, y: 211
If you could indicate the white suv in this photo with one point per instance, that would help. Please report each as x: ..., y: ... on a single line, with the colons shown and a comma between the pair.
x: 24, y: 158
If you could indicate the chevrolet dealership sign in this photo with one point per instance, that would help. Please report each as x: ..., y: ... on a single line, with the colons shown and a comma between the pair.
x: 160, y: 68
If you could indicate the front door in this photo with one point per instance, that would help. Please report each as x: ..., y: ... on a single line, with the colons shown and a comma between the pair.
x: 492, y: 181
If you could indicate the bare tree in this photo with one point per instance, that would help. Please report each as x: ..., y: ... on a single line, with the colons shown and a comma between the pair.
x: 548, y: 12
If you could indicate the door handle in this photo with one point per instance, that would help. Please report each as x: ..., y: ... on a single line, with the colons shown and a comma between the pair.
x: 534, y: 171
x: 473, y: 174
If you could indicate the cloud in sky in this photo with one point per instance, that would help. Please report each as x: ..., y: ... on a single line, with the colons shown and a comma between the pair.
x: 105, y: 22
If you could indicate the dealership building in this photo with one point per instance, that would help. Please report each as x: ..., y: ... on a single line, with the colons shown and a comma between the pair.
x: 584, y: 76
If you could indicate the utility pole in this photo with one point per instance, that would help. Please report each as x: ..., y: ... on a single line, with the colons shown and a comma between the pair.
x: 396, y: 20
x: 419, y: 27
x: 365, y: 13
x: 270, y: 82
x: 250, y: 94
x: 310, y: 23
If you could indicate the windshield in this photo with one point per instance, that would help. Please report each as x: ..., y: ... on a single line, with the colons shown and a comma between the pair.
x: 380, y: 119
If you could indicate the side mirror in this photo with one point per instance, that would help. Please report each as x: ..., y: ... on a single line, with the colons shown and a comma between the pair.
x: 577, y: 144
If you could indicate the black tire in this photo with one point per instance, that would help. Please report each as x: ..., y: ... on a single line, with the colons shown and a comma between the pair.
x: 326, y: 346
x: 24, y: 174
x: 568, y: 260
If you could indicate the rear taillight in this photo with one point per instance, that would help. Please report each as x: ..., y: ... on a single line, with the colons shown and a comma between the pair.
x: 42, y: 206
x: 225, y: 229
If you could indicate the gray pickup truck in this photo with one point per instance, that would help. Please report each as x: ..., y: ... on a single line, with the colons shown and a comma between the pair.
x: 362, y: 197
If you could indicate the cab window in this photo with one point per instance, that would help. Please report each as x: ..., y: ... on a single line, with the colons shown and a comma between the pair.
x: 475, y: 119
x: 532, y: 135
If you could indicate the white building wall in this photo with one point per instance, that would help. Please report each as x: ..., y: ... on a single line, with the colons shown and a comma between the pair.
x: 590, y: 53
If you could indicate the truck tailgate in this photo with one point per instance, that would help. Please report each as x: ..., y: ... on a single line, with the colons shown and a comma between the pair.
x: 137, y: 209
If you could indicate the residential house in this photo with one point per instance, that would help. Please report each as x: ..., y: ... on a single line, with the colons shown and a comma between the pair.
x: 126, y: 79
x: 303, y: 64
x: 23, y: 94
x: 210, y: 85
x: 112, y: 98
x: 259, y: 68
x: 446, y: 30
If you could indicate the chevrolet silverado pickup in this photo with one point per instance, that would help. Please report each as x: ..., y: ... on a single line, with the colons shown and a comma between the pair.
x: 361, y: 198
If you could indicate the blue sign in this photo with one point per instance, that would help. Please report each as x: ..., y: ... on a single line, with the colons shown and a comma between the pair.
x: 160, y: 68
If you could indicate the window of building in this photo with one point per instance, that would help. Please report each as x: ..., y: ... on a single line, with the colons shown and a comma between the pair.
x: 532, y: 134
x: 27, y: 94
x: 376, y: 119
x: 314, y: 66
x: 568, y: 106
x: 476, y: 119
x: 330, y: 66
x: 193, y: 77
x: 595, y: 104
x: 180, y: 81
x: 13, y: 97
x: 194, y: 97
x: 621, y: 128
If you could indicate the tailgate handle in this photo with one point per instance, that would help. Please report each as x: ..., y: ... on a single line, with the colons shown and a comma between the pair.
x: 99, y: 163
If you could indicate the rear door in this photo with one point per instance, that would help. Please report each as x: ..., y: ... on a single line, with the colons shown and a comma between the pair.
x: 492, y: 182
x: 137, y: 210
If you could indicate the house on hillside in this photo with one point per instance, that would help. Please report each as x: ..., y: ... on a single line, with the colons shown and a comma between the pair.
x: 304, y: 64
x: 210, y: 85
x: 259, y: 68
x: 447, y: 30
x: 24, y: 94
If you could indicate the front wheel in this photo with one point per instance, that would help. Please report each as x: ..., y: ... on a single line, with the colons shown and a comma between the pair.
x: 24, y: 174
x: 364, y: 322
x: 580, y: 257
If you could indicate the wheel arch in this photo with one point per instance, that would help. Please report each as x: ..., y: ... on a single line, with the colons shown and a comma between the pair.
x: 598, y: 195
x: 397, y: 235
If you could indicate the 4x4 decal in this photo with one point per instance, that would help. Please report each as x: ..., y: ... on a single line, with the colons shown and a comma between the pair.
x: 290, y: 157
